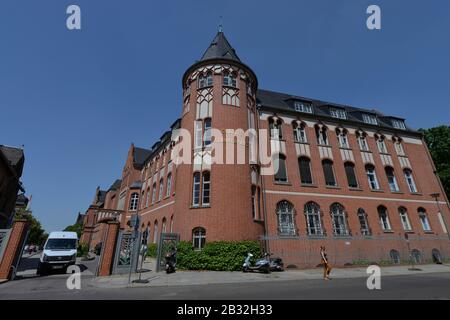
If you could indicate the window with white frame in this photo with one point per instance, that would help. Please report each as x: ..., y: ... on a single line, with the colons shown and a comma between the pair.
x: 313, y: 219
x: 229, y: 79
x: 322, y: 136
x: 134, y: 201
x: 424, y: 219
x: 286, y: 219
x: 207, y: 131
x: 381, y: 144
x: 399, y: 147
x: 370, y: 119
x: 303, y: 107
x: 363, y: 222
x: 343, y: 139
x: 196, y: 190
x: 398, y: 124
x: 404, y: 218
x: 161, y: 188
x: 205, y: 80
x: 163, y: 229
x: 338, y: 113
x: 154, y: 193
x: 198, y: 238
x: 362, y: 142
x: 372, y: 177
x: 384, y: 218
x: 339, y: 220
x: 392, y: 180
x: 275, y: 129
x: 169, y: 185
x: 202, y: 133
x: 300, y: 132
x: 206, y: 188
x: 410, y: 181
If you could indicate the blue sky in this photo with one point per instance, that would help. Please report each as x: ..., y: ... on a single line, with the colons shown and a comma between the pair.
x: 77, y: 99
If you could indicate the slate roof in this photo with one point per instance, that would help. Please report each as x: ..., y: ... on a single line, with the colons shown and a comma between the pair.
x: 285, y: 102
x: 115, y: 185
x: 141, y: 155
x: 14, y: 157
x: 220, y: 48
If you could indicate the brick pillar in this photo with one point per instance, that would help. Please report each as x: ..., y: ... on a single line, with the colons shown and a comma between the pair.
x: 14, y: 245
x: 109, y: 246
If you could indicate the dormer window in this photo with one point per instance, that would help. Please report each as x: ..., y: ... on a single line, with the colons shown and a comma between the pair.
x: 205, y: 80
x: 229, y: 79
x: 370, y: 119
x: 338, y: 113
x: 303, y: 107
x: 398, y: 124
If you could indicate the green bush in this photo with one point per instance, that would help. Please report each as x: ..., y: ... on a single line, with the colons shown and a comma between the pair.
x: 216, y: 256
x: 152, y: 250
x: 82, y: 250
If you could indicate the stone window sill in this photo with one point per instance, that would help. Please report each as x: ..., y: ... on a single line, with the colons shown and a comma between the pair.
x: 355, y: 189
x: 377, y: 190
x: 416, y: 194
x: 282, y: 183
x: 397, y: 192
x: 199, y: 207
x: 388, y: 231
x: 309, y: 185
x: 334, y: 187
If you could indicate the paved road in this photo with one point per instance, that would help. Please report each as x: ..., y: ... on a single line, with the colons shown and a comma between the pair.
x: 417, y: 286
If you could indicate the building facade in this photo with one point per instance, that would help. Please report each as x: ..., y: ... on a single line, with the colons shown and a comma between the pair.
x: 355, y: 180
x: 11, y: 166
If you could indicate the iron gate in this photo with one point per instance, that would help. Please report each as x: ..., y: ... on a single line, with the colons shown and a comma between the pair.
x: 4, y: 237
x: 127, y: 252
x: 167, y: 241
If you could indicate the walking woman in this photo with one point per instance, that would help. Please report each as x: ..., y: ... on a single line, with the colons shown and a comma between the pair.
x: 326, y: 265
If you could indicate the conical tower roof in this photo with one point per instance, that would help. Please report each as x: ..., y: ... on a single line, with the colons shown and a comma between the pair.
x: 220, y: 48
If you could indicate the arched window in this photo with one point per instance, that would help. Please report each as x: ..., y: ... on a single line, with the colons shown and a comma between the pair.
x: 410, y: 181
x: 161, y: 188
x: 169, y: 185
x: 395, y: 256
x: 280, y: 167
x: 171, y: 224
x: 155, y: 232
x: 300, y: 132
x: 381, y: 144
x: 196, y: 190
x: 205, y: 80
x: 163, y: 229
x: 206, y: 188
x: 416, y: 256
x: 398, y: 146
x: 229, y: 79
x: 304, y: 165
x: 362, y: 141
x: 198, y: 238
x: 275, y: 129
x: 322, y: 136
x: 404, y: 218
x: 154, y: 193
x: 339, y: 220
x: 363, y: 222
x: 286, y: 219
x: 391, y: 179
x: 384, y: 218
x: 313, y: 219
x: 328, y: 172
x: 351, y: 175
x: 372, y: 177
x: 147, y: 198
x: 424, y: 219
x: 342, y: 138
x: 134, y: 201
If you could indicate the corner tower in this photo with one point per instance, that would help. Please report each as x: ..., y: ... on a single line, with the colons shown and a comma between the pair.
x: 218, y: 201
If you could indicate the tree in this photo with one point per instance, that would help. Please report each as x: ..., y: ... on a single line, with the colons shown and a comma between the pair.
x: 37, y: 235
x: 75, y: 228
x: 438, y: 141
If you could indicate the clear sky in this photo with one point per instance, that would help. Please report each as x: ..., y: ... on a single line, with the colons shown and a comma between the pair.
x: 77, y: 99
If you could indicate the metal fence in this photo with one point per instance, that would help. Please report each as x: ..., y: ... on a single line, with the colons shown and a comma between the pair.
x: 4, y: 237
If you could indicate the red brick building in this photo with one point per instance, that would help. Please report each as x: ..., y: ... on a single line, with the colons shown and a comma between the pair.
x: 355, y: 180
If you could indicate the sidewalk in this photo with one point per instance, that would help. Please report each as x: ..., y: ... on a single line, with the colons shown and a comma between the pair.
x: 180, y: 278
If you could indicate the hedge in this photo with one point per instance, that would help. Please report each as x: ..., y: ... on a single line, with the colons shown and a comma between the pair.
x: 215, y: 256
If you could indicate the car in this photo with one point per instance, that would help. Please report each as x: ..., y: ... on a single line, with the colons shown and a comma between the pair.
x: 60, y: 252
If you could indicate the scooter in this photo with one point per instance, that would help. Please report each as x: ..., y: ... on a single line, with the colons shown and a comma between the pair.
x: 276, y: 264
x: 261, y: 265
x: 171, y: 259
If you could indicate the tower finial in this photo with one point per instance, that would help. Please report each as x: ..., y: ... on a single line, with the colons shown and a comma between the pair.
x: 221, y: 24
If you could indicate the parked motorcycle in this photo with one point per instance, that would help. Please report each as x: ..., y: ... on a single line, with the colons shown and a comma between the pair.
x: 276, y: 264
x: 171, y: 260
x: 261, y: 265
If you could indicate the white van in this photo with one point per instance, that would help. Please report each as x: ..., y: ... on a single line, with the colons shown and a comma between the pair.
x: 60, y: 251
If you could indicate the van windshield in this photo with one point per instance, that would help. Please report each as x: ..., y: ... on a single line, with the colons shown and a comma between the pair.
x: 61, y: 244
